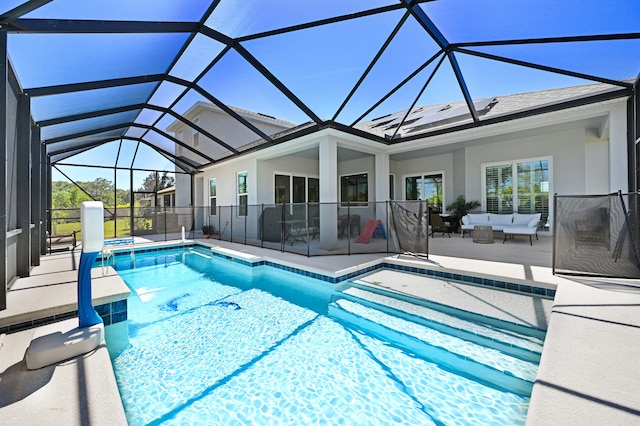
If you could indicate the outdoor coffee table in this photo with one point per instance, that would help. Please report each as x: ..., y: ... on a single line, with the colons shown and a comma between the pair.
x: 483, y: 234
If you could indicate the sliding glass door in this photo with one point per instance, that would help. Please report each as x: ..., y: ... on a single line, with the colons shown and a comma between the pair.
x: 425, y: 187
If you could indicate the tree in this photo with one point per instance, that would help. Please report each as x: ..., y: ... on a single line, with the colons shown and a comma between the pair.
x: 164, y: 181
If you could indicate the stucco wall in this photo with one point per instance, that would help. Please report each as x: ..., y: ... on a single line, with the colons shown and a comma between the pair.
x: 226, y: 181
x: 567, y: 168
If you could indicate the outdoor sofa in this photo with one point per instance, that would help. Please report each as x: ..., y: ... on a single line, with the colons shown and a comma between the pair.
x: 509, y: 224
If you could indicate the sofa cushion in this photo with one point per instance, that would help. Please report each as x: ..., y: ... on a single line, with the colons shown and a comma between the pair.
x: 500, y: 219
x: 476, y: 219
x: 520, y: 219
x: 533, y: 223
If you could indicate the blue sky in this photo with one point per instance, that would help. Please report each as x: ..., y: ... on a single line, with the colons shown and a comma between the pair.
x: 320, y: 65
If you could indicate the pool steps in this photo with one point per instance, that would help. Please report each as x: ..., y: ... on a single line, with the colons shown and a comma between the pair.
x: 348, y: 307
x: 440, y: 356
x: 456, y: 324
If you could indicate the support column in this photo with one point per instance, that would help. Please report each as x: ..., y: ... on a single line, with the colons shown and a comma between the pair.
x: 382, y: 178
x: 618, y: 142
x: 382, y: 188
x: 328, y: 167
x: 23, y: 195
x: 44, y: 179
x: 36, y: 187
x: 633, y: 113
x: 4, y: 75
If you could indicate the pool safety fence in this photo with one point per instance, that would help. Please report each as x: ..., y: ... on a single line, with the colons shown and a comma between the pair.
x: 316, y: 229
x: 310, y: 229
x: 596, y: 235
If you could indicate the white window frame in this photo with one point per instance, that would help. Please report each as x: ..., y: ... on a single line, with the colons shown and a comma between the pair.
x: 242, y: 194
x: 196, y: 133
x: 291, y: 176
x: 213, y: 212
x: 422, y: 175
x: 354, y: 204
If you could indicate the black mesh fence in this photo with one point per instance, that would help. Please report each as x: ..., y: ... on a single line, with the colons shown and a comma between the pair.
x: 596, y: 235
x: 310, y: 229
x: 316, y: 229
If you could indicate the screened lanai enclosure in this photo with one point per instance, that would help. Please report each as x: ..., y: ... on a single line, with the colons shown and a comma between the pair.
x: 94, y: 91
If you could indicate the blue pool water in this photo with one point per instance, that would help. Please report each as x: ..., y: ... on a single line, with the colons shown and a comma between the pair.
x: 216, y: 342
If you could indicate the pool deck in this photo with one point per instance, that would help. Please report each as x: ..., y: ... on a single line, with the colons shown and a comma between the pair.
x: 589, y: 372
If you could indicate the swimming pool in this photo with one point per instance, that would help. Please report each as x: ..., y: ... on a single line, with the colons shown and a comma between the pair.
x: 218, y: 342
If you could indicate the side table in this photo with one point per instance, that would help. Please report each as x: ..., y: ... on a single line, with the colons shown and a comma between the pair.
x: 483, y: 234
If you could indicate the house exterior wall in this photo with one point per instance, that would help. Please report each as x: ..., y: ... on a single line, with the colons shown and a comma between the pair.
x: 226, y: 128
x: 567, y: 150
x: 226, y: 181
x: 597, y: 179
x: 585, y: 158
x: 183, y: 195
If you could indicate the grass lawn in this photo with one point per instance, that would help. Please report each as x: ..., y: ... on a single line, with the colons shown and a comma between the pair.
x: 122, y: 228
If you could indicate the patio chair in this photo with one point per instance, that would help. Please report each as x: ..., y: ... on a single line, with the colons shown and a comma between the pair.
x: 437, y: 225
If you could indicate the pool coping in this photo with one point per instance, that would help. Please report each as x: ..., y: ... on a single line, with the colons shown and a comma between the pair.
x: 403, y: 265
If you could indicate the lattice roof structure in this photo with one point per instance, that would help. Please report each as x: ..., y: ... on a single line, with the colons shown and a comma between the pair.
x: 117, y: 73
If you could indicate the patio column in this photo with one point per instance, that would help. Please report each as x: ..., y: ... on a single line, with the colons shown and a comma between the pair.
x: 23, y: 196
x: 382, y: 176
x: 328, y: 167
x: 618, y: 176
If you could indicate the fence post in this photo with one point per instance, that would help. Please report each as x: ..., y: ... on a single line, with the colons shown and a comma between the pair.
x: 262, y: 225
x: 386, y: 219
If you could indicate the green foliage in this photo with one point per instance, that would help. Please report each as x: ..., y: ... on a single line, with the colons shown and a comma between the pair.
x: 164, y: 181
x: 461, y: 207
x: 121, y: 225
x: 66, y: 195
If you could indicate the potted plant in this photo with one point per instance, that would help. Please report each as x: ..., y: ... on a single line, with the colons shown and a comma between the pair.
x: 459, y: 208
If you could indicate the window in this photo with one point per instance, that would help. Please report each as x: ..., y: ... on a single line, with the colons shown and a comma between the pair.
x: 213, y: 198
x: 354, y: 189
x: 499, y: 188
x: 282, y: 189
x: 313, y: 190
x: 522, y: 186
x: 196, y: 133
x: 425, y: 187
x: 299, y: 189
x: 243, y: 196
x: 296, y: 189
